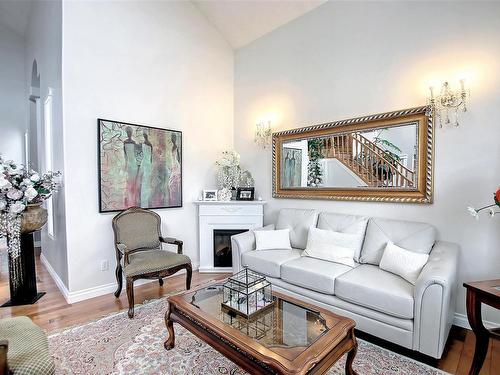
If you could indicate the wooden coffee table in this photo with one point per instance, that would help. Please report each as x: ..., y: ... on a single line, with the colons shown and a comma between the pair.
x: 292, y: 337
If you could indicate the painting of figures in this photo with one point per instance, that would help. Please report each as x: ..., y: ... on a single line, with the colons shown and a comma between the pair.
x: 138, y: 166
x: 292, y: 167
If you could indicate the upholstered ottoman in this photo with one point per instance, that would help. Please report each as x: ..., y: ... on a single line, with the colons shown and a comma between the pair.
x: 24, y: 349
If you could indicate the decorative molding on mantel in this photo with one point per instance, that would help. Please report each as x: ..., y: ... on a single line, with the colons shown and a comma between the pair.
x: 225, y: 203
x: 213, y: 215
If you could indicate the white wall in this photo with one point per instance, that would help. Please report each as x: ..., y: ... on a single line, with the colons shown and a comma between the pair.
x: 13, y: 98
x: 154, y: 63
x: 349, y: 59
x: 44, y: 43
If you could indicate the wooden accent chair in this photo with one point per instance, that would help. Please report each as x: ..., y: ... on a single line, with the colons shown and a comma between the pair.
x: 24, y: 348
x: 138, y: 240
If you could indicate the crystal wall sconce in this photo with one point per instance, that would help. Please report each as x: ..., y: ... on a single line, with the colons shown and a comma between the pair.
x: 449, y: 103
x: 263, y: 134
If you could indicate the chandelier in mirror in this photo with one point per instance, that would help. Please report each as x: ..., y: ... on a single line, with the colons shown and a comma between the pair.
x: 449, y: 103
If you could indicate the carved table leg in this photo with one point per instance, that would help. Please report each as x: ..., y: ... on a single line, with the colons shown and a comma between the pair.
x: 170, y: 342
x: 481, y: 333
x: 350, y: 358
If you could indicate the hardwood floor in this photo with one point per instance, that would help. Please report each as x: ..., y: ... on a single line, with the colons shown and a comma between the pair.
x: 53, y: 313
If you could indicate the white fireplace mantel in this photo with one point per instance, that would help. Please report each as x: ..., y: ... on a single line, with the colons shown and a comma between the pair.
x: 214, y: 215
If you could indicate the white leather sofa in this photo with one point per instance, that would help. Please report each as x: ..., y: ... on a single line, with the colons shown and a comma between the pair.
x: 383, y: 304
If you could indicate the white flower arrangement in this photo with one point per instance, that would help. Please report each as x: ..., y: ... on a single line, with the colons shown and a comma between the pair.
x: 20, y: 187
x: 230, y: 175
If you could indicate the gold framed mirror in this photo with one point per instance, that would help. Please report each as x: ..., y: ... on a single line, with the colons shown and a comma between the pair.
x: 387, y: 157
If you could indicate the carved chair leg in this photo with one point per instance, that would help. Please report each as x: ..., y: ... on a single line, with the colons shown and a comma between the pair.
x: 130, y: 296
x: 189, y: 275
x: 160, y: 280
x: 119, y: 280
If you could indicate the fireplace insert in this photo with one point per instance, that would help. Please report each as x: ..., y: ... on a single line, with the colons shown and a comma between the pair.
x: 222, y: 246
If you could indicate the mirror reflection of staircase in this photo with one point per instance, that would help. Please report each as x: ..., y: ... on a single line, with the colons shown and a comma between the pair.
x: 375, y: 166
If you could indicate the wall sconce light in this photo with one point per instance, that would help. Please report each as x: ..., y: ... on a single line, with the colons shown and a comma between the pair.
x: 263, y: 134
x: 449, y: 101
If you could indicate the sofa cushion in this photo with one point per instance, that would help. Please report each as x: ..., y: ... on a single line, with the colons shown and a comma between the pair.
x: 272, y: 239
x: 371, y: 287
x: 298, y: 221
x: 331, y: 246
x: 268, y: 262
x: 404, y: 263
x: 315, y: 274
x: 413, y: 236
x: 352, y: 224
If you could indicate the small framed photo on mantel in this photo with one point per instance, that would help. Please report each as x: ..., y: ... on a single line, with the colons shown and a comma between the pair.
x: 209, y: 195
x: 245, y: 194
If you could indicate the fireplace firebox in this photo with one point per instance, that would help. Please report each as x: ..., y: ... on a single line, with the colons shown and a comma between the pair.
x: 222, y: 246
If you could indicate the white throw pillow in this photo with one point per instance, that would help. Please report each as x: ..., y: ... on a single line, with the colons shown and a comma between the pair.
x: 272, y: 239
x: 402, y: 262
x: 331, y: 246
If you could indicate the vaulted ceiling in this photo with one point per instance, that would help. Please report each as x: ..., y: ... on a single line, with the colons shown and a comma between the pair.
x: 239, y: 21
x: 242, y: 21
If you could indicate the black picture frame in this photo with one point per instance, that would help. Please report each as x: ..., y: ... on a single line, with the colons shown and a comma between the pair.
x: 179, y: 137
x: 245, y: 194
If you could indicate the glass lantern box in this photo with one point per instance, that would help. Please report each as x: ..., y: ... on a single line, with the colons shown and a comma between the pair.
x: 247, y: 293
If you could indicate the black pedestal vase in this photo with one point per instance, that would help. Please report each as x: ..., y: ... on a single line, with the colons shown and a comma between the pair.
x: 22, y: 275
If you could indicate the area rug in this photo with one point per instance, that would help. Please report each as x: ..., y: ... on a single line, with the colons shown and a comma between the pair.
x: 118, y: 345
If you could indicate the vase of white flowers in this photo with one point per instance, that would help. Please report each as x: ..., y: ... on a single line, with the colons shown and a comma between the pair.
x: 230, y: 175
x: 22, y: 192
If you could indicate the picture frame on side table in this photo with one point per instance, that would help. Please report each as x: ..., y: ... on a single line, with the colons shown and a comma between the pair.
x: 209, y: 195
x: 245, y: 194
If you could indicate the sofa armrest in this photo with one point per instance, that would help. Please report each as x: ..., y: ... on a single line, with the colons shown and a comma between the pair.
x: 243, y: 242
x: 434, y: 296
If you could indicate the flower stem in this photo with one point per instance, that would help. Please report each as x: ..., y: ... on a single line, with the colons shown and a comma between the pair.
x: 482, y: 208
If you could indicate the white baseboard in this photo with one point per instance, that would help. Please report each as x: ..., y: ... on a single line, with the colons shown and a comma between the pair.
x: 60, y: 284
x: 84, y: 294
x: 461, y: 320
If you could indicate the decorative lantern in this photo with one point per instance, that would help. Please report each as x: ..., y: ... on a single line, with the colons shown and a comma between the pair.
x: 247, y: 293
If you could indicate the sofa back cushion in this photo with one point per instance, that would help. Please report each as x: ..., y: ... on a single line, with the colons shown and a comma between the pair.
x: 298, y: 221
x: 410, y: 235
x: 350, y: 224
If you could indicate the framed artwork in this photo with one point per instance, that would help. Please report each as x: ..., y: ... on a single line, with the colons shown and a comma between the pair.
x: 245, y: 194
x: 209, y: 195
x: 138, y: 166
x: 292, y: 167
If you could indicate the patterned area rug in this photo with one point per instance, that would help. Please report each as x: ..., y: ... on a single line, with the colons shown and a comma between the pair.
x: 118, y: 345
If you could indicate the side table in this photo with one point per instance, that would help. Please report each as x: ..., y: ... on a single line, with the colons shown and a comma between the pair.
x: 487, y: 292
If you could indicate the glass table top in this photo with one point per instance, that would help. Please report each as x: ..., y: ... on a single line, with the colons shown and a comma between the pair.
x: 285, y: 327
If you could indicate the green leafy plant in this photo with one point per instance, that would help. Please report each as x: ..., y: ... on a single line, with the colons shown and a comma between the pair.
x: 314, y: 169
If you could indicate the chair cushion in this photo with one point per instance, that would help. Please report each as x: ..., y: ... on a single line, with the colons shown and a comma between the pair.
x: 315, y: 274
x: 298, y: 221
x: 352, y: 224
x: 28, y: 347
x: 268, y: 262
x: 146, y: 261
x: 371, y: 287
x: 413, y: 236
